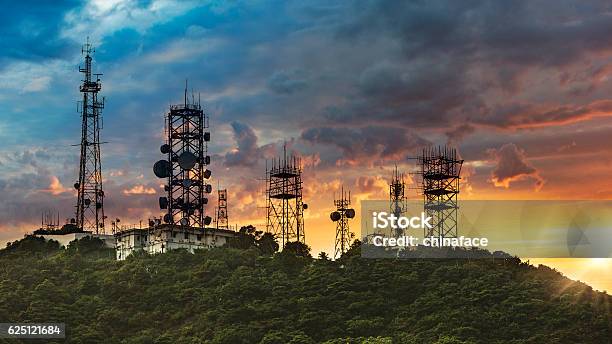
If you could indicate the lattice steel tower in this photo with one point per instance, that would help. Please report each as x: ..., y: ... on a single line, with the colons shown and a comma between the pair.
x: 284, y: 204
x: 397, y: 197
x: 341, y: 216
x: 440, y: 170
x: 185, y: 168
x: 222, y: 218
x: 90, y: 195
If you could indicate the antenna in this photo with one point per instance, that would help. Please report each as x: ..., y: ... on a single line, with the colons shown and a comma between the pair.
x: 185, y: 92
x: 397, y: 198
x: 440, y: 172
x: 341, y: 216
x: 90, y: 195
x: 185, y: 168
x: 284, y: 204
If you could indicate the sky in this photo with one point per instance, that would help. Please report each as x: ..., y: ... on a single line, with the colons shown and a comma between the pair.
x: 521, y: 88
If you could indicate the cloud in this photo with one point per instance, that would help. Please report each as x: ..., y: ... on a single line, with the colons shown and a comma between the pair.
x: 283, y: 82
x: 56, y: 187
x: 247, y: 153
x: 512, y: 166
x: 366, y: 145
x: 376, y: 187
x: 139, y: 190
x: 38, y: 84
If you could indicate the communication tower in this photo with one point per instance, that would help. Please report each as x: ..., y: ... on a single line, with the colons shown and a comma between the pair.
x: 222, y: 219
x: 397, y: 197
x: 90, y: 195
x: 440, y: 171
x: 284, y: 204
x: 341, y: 216
x: 185, y: 167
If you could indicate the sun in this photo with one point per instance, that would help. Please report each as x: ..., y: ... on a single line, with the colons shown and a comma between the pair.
x: 599, y: 262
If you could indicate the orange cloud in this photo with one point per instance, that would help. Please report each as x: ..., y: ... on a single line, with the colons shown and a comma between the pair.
x: 139, y: 190
x: 56, y: 187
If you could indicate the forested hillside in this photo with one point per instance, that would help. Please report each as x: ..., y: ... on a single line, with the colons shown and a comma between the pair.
x: 245, y: 296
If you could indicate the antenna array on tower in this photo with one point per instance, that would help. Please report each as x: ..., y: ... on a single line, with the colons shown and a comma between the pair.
x: 90, y: 195
x: 341, y: 216
x: 284, y: 204
x: 185, y: 167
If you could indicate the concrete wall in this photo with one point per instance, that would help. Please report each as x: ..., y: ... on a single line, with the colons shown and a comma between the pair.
x: 65, y: 239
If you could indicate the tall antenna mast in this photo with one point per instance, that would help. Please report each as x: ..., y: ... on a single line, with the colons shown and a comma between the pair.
x: 397, y: 197
x: 185, y: 169
x: 341, y: 216
x: 284, y: 204
x: 90, y: 195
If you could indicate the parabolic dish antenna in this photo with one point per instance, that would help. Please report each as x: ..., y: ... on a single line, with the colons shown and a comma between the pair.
x: 350, y: 213
x: 162, y: 169
x: 187, y: 160
x: 165, y: 148
x: 335, y: 216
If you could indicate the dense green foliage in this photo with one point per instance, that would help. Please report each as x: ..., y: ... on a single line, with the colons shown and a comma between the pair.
x: 244, y: 296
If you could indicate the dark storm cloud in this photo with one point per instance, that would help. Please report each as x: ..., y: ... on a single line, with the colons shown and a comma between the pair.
x: 453, y: 53
x: 512, y: 165
x: 363, y: 145
x: 247, y: 153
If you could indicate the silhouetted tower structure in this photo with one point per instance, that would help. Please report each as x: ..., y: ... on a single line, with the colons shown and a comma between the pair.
x: 341, y: 216
x: 440, y: 171
x: 185, y: 167
x: 222, y: 218
x: 284, y: 204
x: 397, y: 197
x: 90, y: 195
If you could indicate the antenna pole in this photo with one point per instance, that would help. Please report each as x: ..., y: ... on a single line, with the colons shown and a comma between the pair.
x: 90, y: 195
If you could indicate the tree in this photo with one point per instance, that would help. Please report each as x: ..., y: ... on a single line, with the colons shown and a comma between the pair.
x: 297, y: 249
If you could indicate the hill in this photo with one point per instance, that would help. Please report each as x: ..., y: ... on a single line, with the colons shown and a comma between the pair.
x: 242, y: 296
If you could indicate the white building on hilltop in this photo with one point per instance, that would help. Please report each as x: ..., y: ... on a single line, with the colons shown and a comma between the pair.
x: 66, y: 239
x: 161, y: 238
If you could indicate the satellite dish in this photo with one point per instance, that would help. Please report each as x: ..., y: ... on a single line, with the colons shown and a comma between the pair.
x: 162, y: 169
x: 165, y: 148
x: 184, y: 221
x: 208, y: 188
x: 77, y: 185
x: 207, y: 174
x: 87, y: 202
x: 163, y: 203
x: 207, y: 136
x: 350, y: 213
x: 166, y: 188
x: 187, y: 160
x: 207, y: 220
x: 168, y: 218
x: 335, y: 216
x: 304, y: 206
